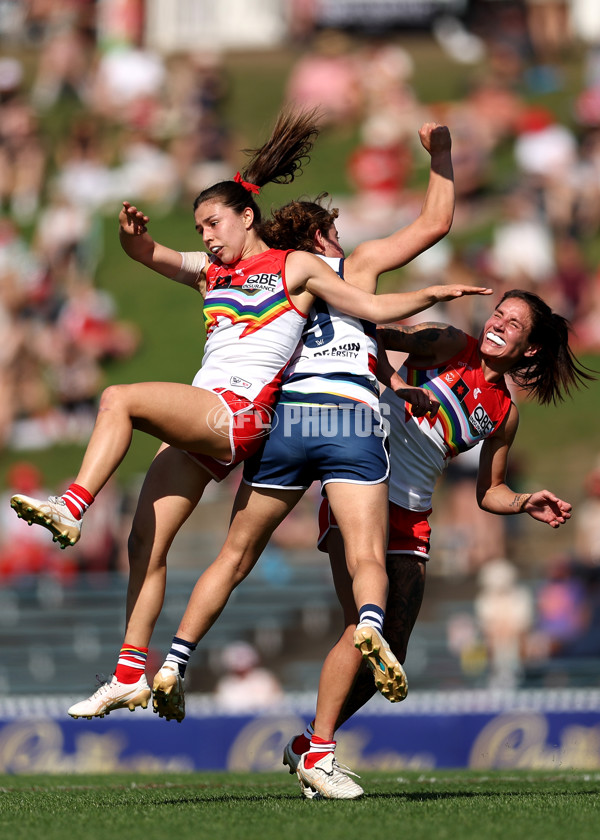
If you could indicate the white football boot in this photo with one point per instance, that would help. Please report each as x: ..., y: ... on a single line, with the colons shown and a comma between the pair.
x: 328, y: 778
x: 113, y: 695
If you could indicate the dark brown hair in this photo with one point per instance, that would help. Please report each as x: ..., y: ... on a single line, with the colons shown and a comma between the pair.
x: 277, y: 161
x: 553, y: 372
x: 295, y: 224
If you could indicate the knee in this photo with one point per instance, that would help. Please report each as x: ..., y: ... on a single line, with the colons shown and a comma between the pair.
x: 369, y: 566
x: 347, y: 636
x: 112, y: 397
x: 236, y: 565
x: 368, y: 556
x: 238, y: 571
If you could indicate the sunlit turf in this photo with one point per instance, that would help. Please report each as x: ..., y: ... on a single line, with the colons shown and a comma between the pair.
x: 438, y: 804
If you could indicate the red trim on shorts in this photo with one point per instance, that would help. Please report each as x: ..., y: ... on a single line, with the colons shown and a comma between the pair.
x: 409, y: 530
x: 250, y: 421
x: 216, y: 469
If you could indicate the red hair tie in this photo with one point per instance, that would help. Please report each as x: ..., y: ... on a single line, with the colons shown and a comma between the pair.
x: 253, y: 188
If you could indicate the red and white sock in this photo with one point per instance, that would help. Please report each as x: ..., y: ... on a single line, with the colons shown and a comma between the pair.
x: 77, y: 499
x: 131, y: 664
x: 319, y: 748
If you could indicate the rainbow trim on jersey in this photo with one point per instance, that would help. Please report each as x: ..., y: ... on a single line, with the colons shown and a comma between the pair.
x: 454, y: 424
x: 257, y: 313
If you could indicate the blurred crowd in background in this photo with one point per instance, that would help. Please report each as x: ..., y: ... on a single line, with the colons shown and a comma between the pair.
x: 91, y: 112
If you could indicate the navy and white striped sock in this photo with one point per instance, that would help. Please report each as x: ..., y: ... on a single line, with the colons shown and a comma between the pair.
x: 373, y: 615
x: 179, y: 654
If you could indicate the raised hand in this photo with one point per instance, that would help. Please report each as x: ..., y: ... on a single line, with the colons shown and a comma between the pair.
x: 132, y: 220
x: 435, y: 138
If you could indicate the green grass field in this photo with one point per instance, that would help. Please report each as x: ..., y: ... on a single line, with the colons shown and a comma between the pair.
x: 420, y: 806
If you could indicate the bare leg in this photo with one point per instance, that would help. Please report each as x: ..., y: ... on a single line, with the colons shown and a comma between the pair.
x: 172, y: 488
x: 357, y: 551
x: 363, y: 520
x: 255, y: 516
x: 406, y: 575
x: 346, y: 684
x: 362, y: 515
x: 343, y: 661
x: 176, y: 414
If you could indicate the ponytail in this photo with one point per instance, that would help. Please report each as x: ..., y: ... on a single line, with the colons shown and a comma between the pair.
x: 277, y: 161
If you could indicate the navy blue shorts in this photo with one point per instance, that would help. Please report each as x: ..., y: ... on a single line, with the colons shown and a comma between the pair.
x: 345, y: 443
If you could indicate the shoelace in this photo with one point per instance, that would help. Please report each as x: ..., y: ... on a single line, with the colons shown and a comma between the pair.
x: 341, y: 768
x: 340, y: 772
x: 57, y: 500
x: 103, y: 685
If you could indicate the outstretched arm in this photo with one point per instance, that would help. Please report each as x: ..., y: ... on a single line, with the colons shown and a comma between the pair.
x: 309, y: 277
x: 140, y: 246
x: 376, y: 256
x: 393, y: 307
x: 495, y: 496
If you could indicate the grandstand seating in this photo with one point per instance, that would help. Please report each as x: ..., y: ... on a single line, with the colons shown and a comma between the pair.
x: 55, y: 637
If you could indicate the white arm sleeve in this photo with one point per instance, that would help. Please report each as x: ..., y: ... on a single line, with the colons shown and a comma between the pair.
x: 192, y: 266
